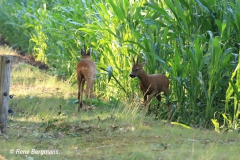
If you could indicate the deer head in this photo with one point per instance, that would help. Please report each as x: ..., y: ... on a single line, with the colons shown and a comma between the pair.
x: 137, y: 68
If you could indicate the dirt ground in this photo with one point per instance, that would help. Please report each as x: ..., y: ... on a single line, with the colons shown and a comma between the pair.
x: 29, y: 59
x: 22, y: 57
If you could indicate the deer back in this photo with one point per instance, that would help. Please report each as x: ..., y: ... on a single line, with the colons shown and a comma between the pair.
x: 86, y: 66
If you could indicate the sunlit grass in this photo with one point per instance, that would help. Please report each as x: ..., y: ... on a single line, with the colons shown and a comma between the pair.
x: 46, y: 119
x: 198, y: 59
x: 6, y: 50
x: 39, y: 83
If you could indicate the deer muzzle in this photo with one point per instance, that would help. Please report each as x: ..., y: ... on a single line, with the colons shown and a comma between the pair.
x: 132, y: 75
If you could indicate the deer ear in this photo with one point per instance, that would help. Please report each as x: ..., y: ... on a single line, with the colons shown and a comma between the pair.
x: 133, y: 59
x: 82, y: 52
x: 137, y: 62
x: 89, y: 51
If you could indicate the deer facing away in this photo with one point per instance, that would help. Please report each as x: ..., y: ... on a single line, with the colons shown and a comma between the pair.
x: 86, y: 71
x: 151, y: 85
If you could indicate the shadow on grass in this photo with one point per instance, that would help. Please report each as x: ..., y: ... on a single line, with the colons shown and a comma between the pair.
x: 53, y: 123
x: 49, y: 111
x: 40, y: 124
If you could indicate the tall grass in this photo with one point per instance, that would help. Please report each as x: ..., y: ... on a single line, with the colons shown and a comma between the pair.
x: 195, y: 43
x: 233, y: 100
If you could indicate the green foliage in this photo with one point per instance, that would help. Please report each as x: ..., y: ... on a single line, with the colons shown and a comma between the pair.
x: 233, y: 99
x: 46, y: 119
x: 196, y: 43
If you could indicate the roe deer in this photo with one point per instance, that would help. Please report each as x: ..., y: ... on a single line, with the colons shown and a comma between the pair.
x: 151, y: 85
x: 86, y: 71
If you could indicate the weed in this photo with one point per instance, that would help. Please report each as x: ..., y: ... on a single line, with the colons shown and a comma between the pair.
x: 46, y: 125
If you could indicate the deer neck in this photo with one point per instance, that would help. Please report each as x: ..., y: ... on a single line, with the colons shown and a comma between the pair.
x: 143, y: 77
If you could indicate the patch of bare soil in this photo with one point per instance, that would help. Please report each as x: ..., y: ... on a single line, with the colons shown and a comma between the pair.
x: 28, y: 59
x: 22, y: 57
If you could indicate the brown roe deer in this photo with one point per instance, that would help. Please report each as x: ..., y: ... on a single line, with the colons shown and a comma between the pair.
x: 86, y: 71
x: 151, y: 85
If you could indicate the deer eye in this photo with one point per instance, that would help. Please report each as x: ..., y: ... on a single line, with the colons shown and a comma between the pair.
x: 137, y: 69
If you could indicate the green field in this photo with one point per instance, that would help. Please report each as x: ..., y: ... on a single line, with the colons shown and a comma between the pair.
x: 46, y: 125
x: 194, y: 43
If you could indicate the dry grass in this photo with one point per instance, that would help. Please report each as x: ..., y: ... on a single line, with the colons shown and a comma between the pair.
x: 46, y: 118
x: 5, y: 50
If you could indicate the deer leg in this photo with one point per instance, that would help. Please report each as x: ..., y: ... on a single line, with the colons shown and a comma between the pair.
x: 87, y: 91
x: 158, y: 96
x: 168, y: 104
x: 78, y: 91
x: 150, y: 98
x: 81, y: 94
x: 79, y: 103
x: 145, y: 101
x: 79, y: 80
x: 91, y: 90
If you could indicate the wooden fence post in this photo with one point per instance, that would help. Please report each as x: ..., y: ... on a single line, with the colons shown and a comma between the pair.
x: 5, y: 76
